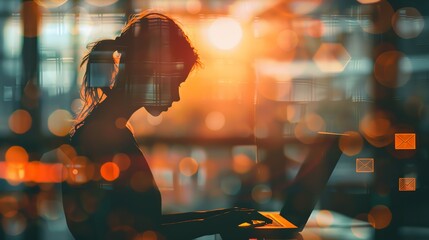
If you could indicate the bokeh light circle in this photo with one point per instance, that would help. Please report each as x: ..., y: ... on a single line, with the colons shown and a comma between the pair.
x: 14, y: 226
x: 121, y: 123
x: 215, y: 120
x: 315, y: 122
x: 16, y: 155
x: 324, y: 218
x: 380, y: 216
x: 303, y: 134
x: 59, y: 122
x: 351, y: 143
x: 408, y: 22
x: 392, y: 69
x: 9, y: 206
x: 261, y: 193
x: 225, y: 33
x: 109, y: 171
x: 122, y: 160
x: 376, y: 17
x: 377, y: 129
x: 188, y: 166
x: 241, y: 163
x: 20, y: 121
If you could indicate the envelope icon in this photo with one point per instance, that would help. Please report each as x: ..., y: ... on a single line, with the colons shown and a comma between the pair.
x: 405, y: 141
x: 407, y: 184
x: 364, y: 165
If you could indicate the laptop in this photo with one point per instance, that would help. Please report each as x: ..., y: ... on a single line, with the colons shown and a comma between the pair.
x: 303, y: 194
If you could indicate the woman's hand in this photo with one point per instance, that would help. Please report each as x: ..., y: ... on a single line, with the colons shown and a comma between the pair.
x: 186, y: 216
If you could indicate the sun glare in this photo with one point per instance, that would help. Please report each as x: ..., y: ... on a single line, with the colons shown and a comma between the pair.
x: 225, y: 33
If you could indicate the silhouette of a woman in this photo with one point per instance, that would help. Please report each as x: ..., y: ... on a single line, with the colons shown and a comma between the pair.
x: 143, y: 67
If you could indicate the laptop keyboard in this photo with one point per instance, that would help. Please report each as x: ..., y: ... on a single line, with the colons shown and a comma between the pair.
x: 275, y: 222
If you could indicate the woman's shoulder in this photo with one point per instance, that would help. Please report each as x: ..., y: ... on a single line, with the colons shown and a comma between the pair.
x: 96, y: 138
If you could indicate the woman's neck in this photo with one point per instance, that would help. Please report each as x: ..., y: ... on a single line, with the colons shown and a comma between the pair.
x: 112, y: 109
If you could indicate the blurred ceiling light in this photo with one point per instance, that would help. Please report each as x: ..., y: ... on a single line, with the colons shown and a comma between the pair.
x: 101, y: 3
x: 331, y: 58
x: 225, y: 33
x: 50, y: 3
x: 408, y: 22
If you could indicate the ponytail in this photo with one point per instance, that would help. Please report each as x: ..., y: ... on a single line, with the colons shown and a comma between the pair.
x: 99, y: 77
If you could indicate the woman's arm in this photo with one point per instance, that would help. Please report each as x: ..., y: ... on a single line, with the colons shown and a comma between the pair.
x: 179, y: 217
x: 188, y: 229
x: 213, y: 222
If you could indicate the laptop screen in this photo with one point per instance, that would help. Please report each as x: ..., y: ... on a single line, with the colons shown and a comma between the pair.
x: 311, y: 179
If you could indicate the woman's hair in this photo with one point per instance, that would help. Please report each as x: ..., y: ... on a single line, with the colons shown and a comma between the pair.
x: 101, y: 67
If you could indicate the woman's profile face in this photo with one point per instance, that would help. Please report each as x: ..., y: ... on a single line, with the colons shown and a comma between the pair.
x: 153, y: 67
x: 154, y: 85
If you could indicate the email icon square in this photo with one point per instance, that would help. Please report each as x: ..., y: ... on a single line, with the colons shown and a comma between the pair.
x: 405, y: 141
x: 407, y: 184
x: 364, y: 165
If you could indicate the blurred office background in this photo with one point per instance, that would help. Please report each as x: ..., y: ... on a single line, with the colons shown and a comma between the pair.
x: 274, y: 73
